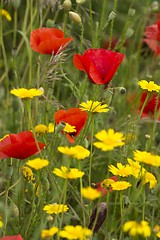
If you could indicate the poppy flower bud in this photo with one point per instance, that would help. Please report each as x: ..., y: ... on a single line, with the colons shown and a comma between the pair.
x: 75, y: 17
x: 16, y: 3
x: 129, y: 32
x: 60, y: 126
x: 50, y: 218
x: 155, y: 6
x: 111, y: 16
x: 67, y: 5
x: 50, y: 23
x: 15, y: 211
x: 122, y: 90
x: 80, y: 1
x: 147, y: 136
x: 97, y: 217
x: 131, y: 12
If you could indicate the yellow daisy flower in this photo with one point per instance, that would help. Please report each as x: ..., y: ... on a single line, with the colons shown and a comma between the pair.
x: 157, y: 230
x: 120, y: 185
x: 66, y: 173
x: 42, y: 129
x: 96, y: 106
x: 149, y: 86
x: 90, y: 193
x: 121, y: 170
x: 6, y: 14
x: 37, y: 163
x: 50, y: 127
x: 55, y: 208
x: 149, y: 178
x: 47, y: 233
x: 136, y: 169
x: 68, y: 128
x: 27, y: 93
x: 146, y: 157
x: 77, y: 152
x: 75, y: 232
x: 109, y: 140
x: 137, y: 228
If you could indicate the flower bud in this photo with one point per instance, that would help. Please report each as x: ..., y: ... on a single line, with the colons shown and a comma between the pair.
x: 80, y: 1
x: 67, y: 5
x: 98, y: 214
x: 50, y: 218
x: 15, y: 211
x: 60, y: 126
x: 122, y: 90
x: 111, y: 16
x: 50, y: 23
x: 129, y: 32
x: 131, y: 12
x: 16, y: 3
x: 147, y: 136
x: 75, y: 17
x: 155, y: 6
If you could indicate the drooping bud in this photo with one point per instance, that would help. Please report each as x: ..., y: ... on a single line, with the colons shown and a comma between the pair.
x: 80, y: 1
x: 67, y: 5
x: 111, y: 16
x: 16, y: 3
x: 129, y: 32
x: 131, y: 12
x: 155, y: 6
x: 147, y: 136
x: 50, y: 23
x: 75, y: 17
x: 122, y: 90
x: 97, y: 217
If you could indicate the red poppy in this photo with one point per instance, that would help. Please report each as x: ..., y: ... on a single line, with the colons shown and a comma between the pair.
x: 153, y: 31
x: 48, y: 40
x: 74, y: 117
x: 21, y: 145
x: 99, y: 64
x: 149, y: 109
x: 14, y: 237
x: 152, y: 39
x: 104, y: 190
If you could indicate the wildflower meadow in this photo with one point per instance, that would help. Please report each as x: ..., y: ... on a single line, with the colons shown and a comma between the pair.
x: 79, y: 119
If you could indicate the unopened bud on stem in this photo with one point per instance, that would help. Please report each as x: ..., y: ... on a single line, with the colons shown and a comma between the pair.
x: 75, y: 17
x: 97, y: 217
x: 67, y: 5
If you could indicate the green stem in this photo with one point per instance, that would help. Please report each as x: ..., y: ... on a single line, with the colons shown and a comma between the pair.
x: 144, y: 204
x: 15, y: 29
x: 82, y: 202
x: 91, y: 150
x: 144, y: 104
x: 91, y: 22
x: 81, y: 38
x: 112, y: 24
x: 121, y: 214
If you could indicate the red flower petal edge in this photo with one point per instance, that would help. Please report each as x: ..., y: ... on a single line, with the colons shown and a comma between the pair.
x: 21, y: 145
x: 14, y: 237
x: 48, y: 40
x: 74, y: 117
x: 99, y: 64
